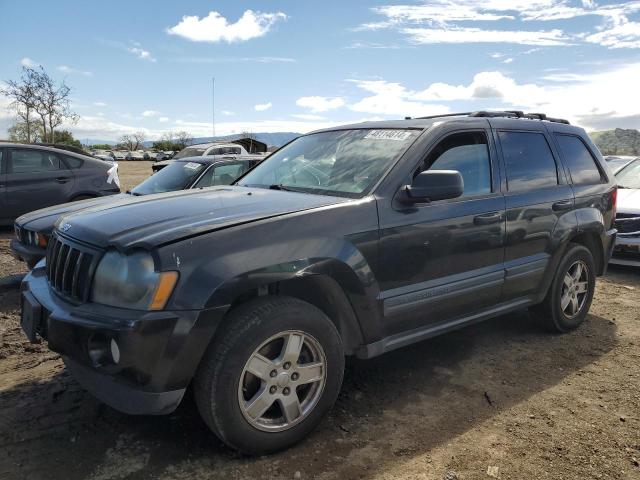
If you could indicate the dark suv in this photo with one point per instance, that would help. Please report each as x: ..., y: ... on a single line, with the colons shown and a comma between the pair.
x: 355, y: 240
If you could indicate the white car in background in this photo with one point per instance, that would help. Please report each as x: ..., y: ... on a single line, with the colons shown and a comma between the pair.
x: 136, y: 155
x: 627, y: 248
x: 618, y: 162
x: 120, y: 154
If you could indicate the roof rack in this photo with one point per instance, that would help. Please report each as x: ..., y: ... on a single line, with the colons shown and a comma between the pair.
x: 498, y: 114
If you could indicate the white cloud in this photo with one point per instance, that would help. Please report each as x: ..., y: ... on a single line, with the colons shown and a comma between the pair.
x: 206, y: 60
x: 100, y: 104
x: 28, y: 62
x: 478, y: 35
x: 508, y: 60
x: 588, y: 100
x: 392, y: 99
x: 215, y: 28
x: 69, y: 71
x: 150, y: 113
x: 319, y: 104
x: 261, y: 107
x: 227, y: 113
x: 141, y: 53
x: 464, y: 21
x: 307, y: 116
x: 163, y: 119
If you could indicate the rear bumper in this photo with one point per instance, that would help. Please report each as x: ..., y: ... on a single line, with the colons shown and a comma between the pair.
x: 158, y: 352
x: 26, y: 253
x: 626, y: 251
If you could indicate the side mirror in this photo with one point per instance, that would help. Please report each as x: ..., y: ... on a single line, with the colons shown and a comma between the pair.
x: 433, y: 185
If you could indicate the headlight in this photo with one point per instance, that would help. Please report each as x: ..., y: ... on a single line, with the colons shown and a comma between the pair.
x: 130, y: 281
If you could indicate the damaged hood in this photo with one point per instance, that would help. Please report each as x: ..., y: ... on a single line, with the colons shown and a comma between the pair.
x: 153, y: 220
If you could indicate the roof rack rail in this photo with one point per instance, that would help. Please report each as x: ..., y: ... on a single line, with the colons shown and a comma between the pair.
x: 463, y: 114
x: 497, y: 114
x: 518, y: 114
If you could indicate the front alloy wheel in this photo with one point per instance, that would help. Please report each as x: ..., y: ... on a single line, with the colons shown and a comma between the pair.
x: 271, y: 375
x: 282, y: 381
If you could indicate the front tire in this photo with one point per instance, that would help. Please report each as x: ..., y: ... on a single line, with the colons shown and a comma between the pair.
x: 569, y: 298
x: 271, y: 376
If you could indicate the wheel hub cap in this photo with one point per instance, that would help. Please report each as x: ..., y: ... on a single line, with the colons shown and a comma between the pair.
x: 575, y: 289
x: 282, y: 381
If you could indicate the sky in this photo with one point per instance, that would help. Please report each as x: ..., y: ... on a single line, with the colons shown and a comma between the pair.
x: 291, y: 65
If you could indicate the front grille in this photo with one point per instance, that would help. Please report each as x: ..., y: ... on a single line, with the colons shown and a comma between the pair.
x: 627, y: 223
x: 70, y: 268
x: 27, y: 237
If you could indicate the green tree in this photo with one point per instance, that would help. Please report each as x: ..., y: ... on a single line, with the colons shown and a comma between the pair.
x: 66, y: 137
x: 23, y: 132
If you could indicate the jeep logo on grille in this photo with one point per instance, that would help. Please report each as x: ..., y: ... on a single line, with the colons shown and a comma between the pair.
x: 64, y: 227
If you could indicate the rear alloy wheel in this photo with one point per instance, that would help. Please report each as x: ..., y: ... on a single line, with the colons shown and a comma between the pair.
x: 271, y: 375
x: 569, y: 297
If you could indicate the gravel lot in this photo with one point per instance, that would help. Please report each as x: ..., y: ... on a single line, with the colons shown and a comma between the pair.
x: 500, y: 399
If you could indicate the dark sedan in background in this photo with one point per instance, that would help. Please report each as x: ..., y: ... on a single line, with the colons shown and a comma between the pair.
x: 33, y: 229
x: 33, y: 177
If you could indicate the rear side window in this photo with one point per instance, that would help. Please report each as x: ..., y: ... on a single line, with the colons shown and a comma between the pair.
x: 26, y: 160
x: 528, y: 160
x: 577, y: 157
x: 73, y: 162
x: 3, y: 168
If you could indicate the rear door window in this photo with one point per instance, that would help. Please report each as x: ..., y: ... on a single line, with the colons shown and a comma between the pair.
x: 528, y: 160
x: 73, y: 162
x: 582, y: 166
x: 24, y: 160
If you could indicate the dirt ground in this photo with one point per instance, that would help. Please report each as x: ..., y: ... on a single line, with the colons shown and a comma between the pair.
x: 500, y: 399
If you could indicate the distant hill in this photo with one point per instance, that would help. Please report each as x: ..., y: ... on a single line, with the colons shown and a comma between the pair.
x: 618, y: 142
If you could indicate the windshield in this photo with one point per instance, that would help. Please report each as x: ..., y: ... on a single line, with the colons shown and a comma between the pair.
x: 189, y: 152
x: 629, y: 176
x: 344, y: 163
x: 175, y: 176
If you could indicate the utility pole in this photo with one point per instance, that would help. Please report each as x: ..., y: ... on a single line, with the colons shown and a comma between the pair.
x: 213, y: 106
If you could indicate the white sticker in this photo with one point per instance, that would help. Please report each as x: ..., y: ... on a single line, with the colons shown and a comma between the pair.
x: 398, y: 135
x: 192, y: 165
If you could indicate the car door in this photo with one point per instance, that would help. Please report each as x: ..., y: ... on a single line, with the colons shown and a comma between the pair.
x: 537, y: 197
x: 36, y: 178
x: 444, y: 259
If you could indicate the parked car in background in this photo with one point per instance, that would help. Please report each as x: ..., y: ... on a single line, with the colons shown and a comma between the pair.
x: 137, y: 155
x: 351, y: 241
x: 160, y: 156
x: 627, y: 249
x: 120, y: 154
x: 106, y: 155
x: 617, y: 163
x: 217, y: 150
x: 34, y: 229
x: 211, y: 149
x: 33, y: 177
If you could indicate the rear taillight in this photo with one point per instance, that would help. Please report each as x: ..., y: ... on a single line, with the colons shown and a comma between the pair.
x: 614, y: 198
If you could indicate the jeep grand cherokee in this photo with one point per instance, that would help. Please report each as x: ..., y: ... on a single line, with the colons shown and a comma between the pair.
x: 355, y: 240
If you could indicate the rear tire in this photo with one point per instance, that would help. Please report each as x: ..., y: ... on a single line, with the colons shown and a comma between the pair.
x: 271, y: 376
x: 571, y: 292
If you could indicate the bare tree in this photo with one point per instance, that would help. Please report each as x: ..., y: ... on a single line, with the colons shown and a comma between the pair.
x: 139, y: 138
x: 183, y: 139
x: 53, y: 104
x: 23, y: 95
x: 127, y: 142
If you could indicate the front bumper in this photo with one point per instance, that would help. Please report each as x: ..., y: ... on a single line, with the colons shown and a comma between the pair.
x: 626, y: 251
x: 26, y: 253
x: 159, y: 351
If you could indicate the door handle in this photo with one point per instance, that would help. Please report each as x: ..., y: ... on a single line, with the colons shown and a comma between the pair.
x: 562, y: 205
x: 488, y: 218
x: 62, y: 179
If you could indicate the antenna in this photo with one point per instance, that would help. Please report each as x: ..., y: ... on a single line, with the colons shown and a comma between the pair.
x: 213, y: 107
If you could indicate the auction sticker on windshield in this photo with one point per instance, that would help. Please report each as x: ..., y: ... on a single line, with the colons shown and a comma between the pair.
x: 398, y: 135
x: 192, y: 165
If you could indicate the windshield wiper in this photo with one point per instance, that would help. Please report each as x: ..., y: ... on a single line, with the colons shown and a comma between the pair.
x: 279, y: 186
x: 129, y: 192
